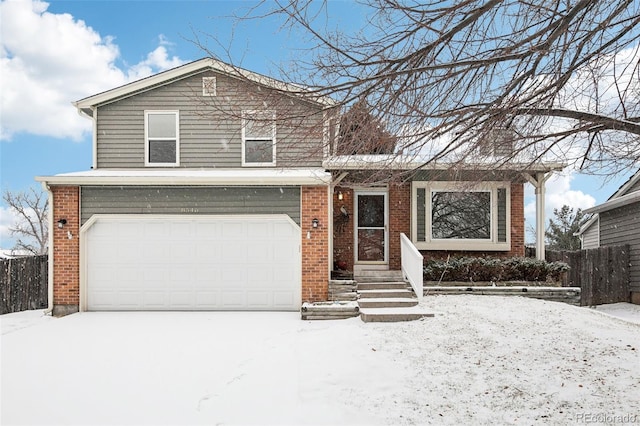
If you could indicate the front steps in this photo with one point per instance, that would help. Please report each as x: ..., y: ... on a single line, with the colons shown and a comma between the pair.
x: 383, y: 296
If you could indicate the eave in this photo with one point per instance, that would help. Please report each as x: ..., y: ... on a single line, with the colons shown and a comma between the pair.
x: 615, y: 203
x: 406, y: 163
x: 184, y: 177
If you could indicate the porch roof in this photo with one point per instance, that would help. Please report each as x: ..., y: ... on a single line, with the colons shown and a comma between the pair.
x: 407, y: 163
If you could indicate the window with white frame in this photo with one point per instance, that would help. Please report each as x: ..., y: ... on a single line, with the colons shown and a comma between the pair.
x: 258, y: 138
x: 461, y: 215
x: 162, y: 141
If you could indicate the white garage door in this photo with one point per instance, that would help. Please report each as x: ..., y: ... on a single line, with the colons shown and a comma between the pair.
x: 147, y: 262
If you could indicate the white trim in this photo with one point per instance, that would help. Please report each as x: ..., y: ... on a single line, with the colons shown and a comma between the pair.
x: 147, y: 113
x: 246, y: 114
x: 491, y: 244
x: 615, y: 203
x: 160, y: 217
x: 412, y: 162
x: 171, y: 177
x: 371, y: 191
x: 94, y: 137
x: 209, y: 83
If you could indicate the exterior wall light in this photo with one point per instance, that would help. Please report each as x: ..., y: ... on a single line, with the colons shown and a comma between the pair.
x: 340, y: 196
x: 62, y: 223
x: 315, y: 223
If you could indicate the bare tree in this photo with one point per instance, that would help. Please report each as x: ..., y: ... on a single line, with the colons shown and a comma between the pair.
x: 560, y: 78
x: 31, y: 227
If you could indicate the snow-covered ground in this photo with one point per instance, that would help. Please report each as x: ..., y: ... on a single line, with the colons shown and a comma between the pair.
x: 480, y: 360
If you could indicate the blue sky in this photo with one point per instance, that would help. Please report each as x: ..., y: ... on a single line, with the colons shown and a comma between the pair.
x: 58, y: 52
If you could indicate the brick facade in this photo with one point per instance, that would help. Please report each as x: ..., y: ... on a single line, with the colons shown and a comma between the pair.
x: 343, y: 255
x: 400, y: 222
x: 66, y: 250
x: 315, y: 243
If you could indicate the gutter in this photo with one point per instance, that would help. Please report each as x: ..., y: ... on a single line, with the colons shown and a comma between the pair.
x: 122, y: 178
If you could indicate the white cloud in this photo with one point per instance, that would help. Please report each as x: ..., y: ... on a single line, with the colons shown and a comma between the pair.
x: 158, y: 59
x: 49, y: 60
x: 7, y: 219
x: 558, y: 194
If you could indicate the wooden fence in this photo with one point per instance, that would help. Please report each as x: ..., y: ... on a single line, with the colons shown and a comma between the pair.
x: 23, y: 284
x: 601, y: 273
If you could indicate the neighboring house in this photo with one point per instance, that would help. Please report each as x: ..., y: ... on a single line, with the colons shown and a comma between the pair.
x: 616, y: 222
x: 214, y: 188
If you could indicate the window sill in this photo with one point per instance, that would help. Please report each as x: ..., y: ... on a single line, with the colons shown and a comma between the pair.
x: 463, y: 246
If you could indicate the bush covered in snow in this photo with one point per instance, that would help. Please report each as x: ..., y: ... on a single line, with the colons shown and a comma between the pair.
x: 493, y: 269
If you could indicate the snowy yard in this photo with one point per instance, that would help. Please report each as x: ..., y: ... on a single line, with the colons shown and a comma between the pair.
x: 481, y: 359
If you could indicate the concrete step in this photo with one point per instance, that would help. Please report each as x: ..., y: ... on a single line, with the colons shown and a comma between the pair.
x: 367, y: 294
x: 391, y: 285
x: 393, y: 314
x: 391, y: 302
x: 378, y: 275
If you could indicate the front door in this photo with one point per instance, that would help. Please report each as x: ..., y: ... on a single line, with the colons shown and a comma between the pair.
x: 371, y: 227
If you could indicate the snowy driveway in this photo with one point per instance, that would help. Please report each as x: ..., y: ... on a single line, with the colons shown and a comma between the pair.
x: 483, y: 359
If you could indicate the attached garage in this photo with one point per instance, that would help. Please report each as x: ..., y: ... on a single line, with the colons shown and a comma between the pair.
x: 191, y: 262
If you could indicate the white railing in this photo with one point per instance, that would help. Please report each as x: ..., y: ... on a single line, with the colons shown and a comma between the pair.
x: 412, y: 264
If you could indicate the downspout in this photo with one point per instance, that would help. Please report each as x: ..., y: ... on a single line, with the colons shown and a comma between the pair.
x: 50, y: 225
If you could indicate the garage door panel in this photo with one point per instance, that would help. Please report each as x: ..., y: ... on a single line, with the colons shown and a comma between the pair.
x: 192, y: 263
x: 283, y: 298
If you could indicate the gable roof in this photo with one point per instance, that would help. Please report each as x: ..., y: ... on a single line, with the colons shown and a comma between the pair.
x: 85, y: 105
x: 618, y: 199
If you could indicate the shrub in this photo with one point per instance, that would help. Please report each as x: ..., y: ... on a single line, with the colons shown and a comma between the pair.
x: 493, y: 269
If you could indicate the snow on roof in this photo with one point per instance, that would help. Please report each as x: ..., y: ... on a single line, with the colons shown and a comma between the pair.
x: 414, y: 162
x: 192, y: 177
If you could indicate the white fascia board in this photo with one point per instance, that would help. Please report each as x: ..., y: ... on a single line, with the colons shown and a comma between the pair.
x: 307, y: 177
x: 587, y: 225
x: 400, y: 162
x: 85, y: 105
x: 615, y: 203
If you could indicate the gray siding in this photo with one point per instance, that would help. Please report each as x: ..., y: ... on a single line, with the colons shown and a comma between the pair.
x: 622, y: 226
x: 591, y: 237
x: 189, y: 200
x: 634, y: 187
x: 210, y: 127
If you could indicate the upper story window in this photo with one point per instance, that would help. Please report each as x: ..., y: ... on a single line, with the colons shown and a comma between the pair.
x: 258, y: 138
x: 162, y: 141
x: 461, y: 216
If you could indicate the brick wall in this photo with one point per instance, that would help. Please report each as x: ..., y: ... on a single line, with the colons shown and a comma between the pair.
x: 517, y: 220
x: 66, y: 250
x: 315, y: 244
x: 399, y: 220
x: 343, y: 229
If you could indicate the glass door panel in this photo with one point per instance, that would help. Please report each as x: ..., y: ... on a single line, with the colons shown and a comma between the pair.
x: 371, y: 227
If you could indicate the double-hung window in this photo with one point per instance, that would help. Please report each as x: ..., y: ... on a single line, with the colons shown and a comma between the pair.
x: 162, y: 140
x: 258, y: 138
x: 461, y: 215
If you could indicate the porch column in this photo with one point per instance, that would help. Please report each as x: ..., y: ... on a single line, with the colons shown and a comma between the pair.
x: 539, y: 184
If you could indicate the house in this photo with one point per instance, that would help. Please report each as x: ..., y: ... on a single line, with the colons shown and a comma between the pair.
x: 615, y: 222
x: 215, y: 188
